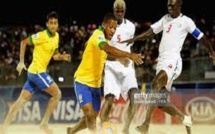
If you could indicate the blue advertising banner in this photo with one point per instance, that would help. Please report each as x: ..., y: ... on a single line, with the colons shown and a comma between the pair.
x: 196, y: 99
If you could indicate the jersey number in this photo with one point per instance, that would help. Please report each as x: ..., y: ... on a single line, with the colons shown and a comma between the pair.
x: 169, y: 28
x: 118, y: 38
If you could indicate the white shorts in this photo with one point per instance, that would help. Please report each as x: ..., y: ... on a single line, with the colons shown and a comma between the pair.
x: 119, y: 79
x: 172, y: 67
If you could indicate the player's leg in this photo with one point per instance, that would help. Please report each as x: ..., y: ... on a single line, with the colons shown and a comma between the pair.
x: 55, y: 93
x: 90, y: 101
x: 91, y: 116
x: 172, y: 110
x: 168, y: 107
x: 45, y: 83
x: 25, y: 95
x: 129, y: 89
x: 130, y: 111
x: 79, y: 89
x: 78, y: 127
x: 107, y: 105
x: 112, y: 89
x: 158, y: 82
x: 81, y: 125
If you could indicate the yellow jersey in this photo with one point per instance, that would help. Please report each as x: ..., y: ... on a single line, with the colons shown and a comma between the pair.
x: 44, y: 48
x: 91, y: 67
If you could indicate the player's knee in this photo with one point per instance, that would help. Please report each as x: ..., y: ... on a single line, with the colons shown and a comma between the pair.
x: 58, y: 95
x: 89, y: 113
x: 109, y: 98
x: 155, y: 86
x: 21, y: 101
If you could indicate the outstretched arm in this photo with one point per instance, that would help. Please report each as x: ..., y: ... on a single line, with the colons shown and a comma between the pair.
x: 124, y: 61
x: 116, y: 53
x: 144, y: 35
x: 207, y: 43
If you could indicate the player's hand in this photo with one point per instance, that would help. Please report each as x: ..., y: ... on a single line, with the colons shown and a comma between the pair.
x: 212, y: 56
x: 20, y: 66
x: 137, y: 58
x: 65, y: 56
x: 124, y: 61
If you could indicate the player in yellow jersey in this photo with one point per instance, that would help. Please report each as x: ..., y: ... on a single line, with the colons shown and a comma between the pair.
x: 45, y: 47
x: 88, y: 77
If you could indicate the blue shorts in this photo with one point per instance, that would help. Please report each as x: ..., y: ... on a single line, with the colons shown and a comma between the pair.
x: 86, y: 94
x: 36, y: 82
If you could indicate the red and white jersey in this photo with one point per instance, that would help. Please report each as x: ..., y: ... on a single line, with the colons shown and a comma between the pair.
x: 174, y: 33
x: 123, y: 32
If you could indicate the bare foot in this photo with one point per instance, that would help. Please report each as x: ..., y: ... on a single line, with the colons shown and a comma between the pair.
x: 46, y: 130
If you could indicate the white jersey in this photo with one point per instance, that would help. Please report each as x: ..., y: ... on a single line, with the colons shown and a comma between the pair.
x: 174, y: 33
x: 124, y: 31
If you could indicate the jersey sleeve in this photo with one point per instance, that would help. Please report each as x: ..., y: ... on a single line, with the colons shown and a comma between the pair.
x: 36, y: 39
x: 157, y: 27
x: 99, y: 40
x: 192, y: 29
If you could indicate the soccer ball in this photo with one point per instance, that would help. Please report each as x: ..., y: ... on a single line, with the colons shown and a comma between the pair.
x: 108, y: 128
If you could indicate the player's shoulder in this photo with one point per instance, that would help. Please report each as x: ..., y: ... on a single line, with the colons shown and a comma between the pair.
x: 128, y: 22
x: 98, y: 34
x: 43, y: 32
x: 166, y: 16
x: 98, y: 31
x: 187, y: 19
x: 38, y: 34
x: 184, y: 16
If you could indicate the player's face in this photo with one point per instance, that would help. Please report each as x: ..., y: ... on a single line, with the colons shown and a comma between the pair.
x: 174, y: 8
x: 52, y: 25
x: 109, y: 28
x: 119, y: 13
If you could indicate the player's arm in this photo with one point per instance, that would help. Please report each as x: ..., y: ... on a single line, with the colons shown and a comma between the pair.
x: 23, y: 45
x: 204, y: 39
x: 199, y: 35
x: 124, y: 60
x: 144, y: 35
x: 64, y: 56
x: 21, y: 64
x: 111, y: 57
x: 114, y: 52
x: 208, y: 45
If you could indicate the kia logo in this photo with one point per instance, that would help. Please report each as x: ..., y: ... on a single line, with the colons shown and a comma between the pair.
x: 202, y: 109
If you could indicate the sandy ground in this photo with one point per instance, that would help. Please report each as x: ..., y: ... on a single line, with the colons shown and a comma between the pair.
x: 154, y: 129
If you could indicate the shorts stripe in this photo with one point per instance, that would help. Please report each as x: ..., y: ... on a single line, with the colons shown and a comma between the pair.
x: 43, y: 80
